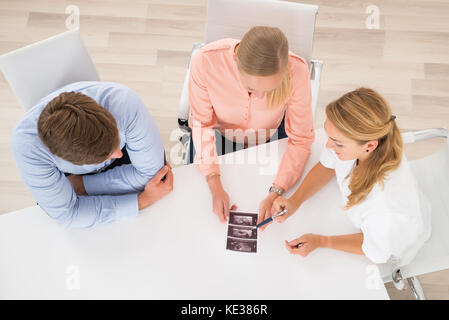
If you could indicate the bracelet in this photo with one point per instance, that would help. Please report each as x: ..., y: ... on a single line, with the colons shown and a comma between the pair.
x: 276, y: 190
x: 212, y: 175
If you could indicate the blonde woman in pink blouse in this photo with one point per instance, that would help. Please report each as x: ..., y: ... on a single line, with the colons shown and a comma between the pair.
x: 250, y: 88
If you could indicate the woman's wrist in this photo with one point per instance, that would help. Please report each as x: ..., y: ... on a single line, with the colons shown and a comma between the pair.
x: 295, y: 202
x: 324, y: 242
x: 214, y: 182
x: 272, y: 195
x: 276, y: 189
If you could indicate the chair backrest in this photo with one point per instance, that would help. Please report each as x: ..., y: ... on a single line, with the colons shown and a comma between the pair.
x: 232, y: 18
x: 432, y: 174
x: 37, y: 69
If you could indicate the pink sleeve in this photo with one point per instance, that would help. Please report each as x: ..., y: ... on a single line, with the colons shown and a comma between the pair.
x: 298, y: 126
x: 203, y: 119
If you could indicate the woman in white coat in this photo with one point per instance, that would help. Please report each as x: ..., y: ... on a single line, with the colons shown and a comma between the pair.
x: 380, y: 194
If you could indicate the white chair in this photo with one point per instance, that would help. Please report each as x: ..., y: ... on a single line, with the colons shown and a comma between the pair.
x: 432, y: 174
x: 232, y: 18
x: 42, y: 67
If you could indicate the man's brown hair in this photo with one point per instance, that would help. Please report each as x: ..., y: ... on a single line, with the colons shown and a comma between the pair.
x: 76, y: 128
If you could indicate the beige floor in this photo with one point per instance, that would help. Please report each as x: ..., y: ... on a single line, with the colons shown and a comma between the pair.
x: 145, y: 44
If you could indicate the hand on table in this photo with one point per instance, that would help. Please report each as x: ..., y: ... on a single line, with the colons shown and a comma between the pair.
x: 77, y: 184
x: 280, y: 204
x: 305, y: 244
x: 157, y: 188
x: 265, y: 209
x: 272, y: 205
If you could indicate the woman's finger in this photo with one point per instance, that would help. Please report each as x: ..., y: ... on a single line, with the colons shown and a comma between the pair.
x: 226, y: 209
x: 276, y: 207
x: 281, y: 204
x: 288, y: 247
x: 261, y: 216
x: 267, y: 215
x: 281, y: 218
x: 222, y: 208
x: 295, y: 242
x: 303, y: 250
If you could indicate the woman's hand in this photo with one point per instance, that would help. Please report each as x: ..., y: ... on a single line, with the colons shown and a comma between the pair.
x: 280, y: 204
x: 220, y: 199
x: 305, y: 244
x: 265, y: 209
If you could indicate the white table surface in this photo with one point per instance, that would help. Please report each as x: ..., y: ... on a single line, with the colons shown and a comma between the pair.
x: 175, y: 249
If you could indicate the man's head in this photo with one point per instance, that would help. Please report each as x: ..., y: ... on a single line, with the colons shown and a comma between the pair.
x: 77, y: 129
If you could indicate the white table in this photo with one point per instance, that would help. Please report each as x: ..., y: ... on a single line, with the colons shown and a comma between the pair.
x: 175, y: 249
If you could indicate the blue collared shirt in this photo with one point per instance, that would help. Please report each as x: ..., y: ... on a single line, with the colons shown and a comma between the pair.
x: 111, y: 194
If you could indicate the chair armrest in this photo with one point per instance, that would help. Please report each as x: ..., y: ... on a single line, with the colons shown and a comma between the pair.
x: 413, y: 136
x: 315, y: 76
x: 184, y: 107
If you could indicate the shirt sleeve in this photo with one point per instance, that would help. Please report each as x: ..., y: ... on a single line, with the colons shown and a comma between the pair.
x: 328, y: 158
x: 143, y: 144
x: 203, y: 118
x: 298, y: 127
x: 54, y: 193
x: 386, y: 235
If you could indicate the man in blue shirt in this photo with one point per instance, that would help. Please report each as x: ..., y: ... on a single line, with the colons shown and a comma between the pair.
x: 70, y: 147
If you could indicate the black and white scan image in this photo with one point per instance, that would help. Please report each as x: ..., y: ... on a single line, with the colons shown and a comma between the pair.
x: 242, y: 232
x: 242, y: 219
x: 241, y: 245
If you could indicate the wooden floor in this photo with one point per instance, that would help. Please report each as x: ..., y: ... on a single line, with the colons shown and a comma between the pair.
x: 145, y: 44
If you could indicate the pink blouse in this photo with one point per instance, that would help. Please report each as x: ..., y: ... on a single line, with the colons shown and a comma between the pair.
x: 219, y: 100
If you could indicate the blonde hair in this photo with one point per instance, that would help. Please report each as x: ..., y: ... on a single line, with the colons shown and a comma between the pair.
x: 363, y: 115
x: 263, y: 51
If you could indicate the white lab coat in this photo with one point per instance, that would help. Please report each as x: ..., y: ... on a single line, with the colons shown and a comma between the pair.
x: 394, y: 220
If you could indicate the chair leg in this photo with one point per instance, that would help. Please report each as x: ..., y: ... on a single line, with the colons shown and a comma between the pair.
x: 398, y: 280
x: 185, y: 143
x: 416, y: 288
x: 413, y: 283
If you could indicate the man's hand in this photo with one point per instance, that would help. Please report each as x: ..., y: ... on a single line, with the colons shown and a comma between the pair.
x: 77, y: 184
x: 156, y: 188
